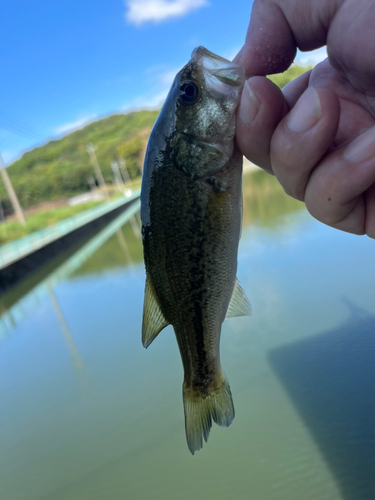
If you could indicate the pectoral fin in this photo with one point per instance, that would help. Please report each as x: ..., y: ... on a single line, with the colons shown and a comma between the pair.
x: 239, y: 304
x: 153, y: 318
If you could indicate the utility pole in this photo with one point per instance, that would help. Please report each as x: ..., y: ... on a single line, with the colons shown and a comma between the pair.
x: 2, y: 216
x: 92, y: 184
x: 11, y: 193
x: 116, y: 174
x: 91, y: 151
x: 124, y: 171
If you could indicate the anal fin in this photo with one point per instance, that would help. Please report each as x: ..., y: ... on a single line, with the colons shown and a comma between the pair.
x: 239, y: 304
x: 153, y: 318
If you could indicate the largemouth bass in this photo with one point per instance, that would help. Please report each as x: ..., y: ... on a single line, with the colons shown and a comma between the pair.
x: 191, y: 204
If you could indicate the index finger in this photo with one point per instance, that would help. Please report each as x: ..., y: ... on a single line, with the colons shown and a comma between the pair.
x: 278, y: 27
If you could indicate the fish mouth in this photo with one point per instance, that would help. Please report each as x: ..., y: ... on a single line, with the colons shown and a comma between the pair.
x: 209, y: 142
x: 225, y: 71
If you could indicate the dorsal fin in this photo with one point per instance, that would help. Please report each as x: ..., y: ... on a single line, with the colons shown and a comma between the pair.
x: 153, y: 319
x: 239, y: 304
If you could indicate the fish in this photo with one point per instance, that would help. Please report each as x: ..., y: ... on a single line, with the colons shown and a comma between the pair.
x: 191, y: 210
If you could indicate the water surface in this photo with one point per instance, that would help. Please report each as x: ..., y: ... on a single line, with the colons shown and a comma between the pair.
x: 87, y: 413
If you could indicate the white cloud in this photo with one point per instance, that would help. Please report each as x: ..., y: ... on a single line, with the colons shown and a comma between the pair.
x: 69, y: 127
x: 314, y: 57
x: 143, y: 11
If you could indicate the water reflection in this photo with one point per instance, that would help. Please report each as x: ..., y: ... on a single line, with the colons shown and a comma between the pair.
x: 124, y: 247
x: 304, y: 402
x: 265, y: 202
x: 330, y: 378
x: 23, y: 303
x: 135, y: 227
x: 75, y: 356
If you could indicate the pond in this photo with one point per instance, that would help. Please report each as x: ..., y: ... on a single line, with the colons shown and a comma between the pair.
x: 87, y: 413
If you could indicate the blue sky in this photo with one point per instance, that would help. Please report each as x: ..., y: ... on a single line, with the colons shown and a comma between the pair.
x: 67, y: 62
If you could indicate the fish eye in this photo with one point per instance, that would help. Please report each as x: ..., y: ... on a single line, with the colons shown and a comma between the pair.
x: 189, y: 92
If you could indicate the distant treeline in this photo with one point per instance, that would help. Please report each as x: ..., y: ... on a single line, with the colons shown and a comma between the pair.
x: 282, y: 79
x: 61, y: 168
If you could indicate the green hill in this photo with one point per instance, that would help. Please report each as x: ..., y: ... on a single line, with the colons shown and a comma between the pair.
x: 61, y: 167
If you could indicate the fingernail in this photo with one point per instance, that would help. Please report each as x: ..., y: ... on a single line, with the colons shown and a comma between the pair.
x: 306, y: 112
x: 362, y: 148
x: 249, y: 105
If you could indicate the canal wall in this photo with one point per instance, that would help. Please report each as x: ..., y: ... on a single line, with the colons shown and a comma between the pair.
x: 20, y: 258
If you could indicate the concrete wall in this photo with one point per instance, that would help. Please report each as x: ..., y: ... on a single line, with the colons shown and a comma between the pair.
x: 24, y: 267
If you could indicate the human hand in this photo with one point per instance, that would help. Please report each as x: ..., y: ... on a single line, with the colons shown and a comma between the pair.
x: 318, y: 134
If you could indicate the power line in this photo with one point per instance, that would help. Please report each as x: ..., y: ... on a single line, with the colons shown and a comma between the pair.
x: 18, y: 132
x: 19, y: 125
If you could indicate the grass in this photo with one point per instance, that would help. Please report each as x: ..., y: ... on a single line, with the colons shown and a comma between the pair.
x: 13, y: 230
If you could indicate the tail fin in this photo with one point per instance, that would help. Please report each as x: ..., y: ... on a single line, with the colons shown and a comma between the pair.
x: 201, y: 409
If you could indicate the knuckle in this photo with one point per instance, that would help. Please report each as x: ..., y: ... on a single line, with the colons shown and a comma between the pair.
x: 293, y: 182
x: 297, y: 192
